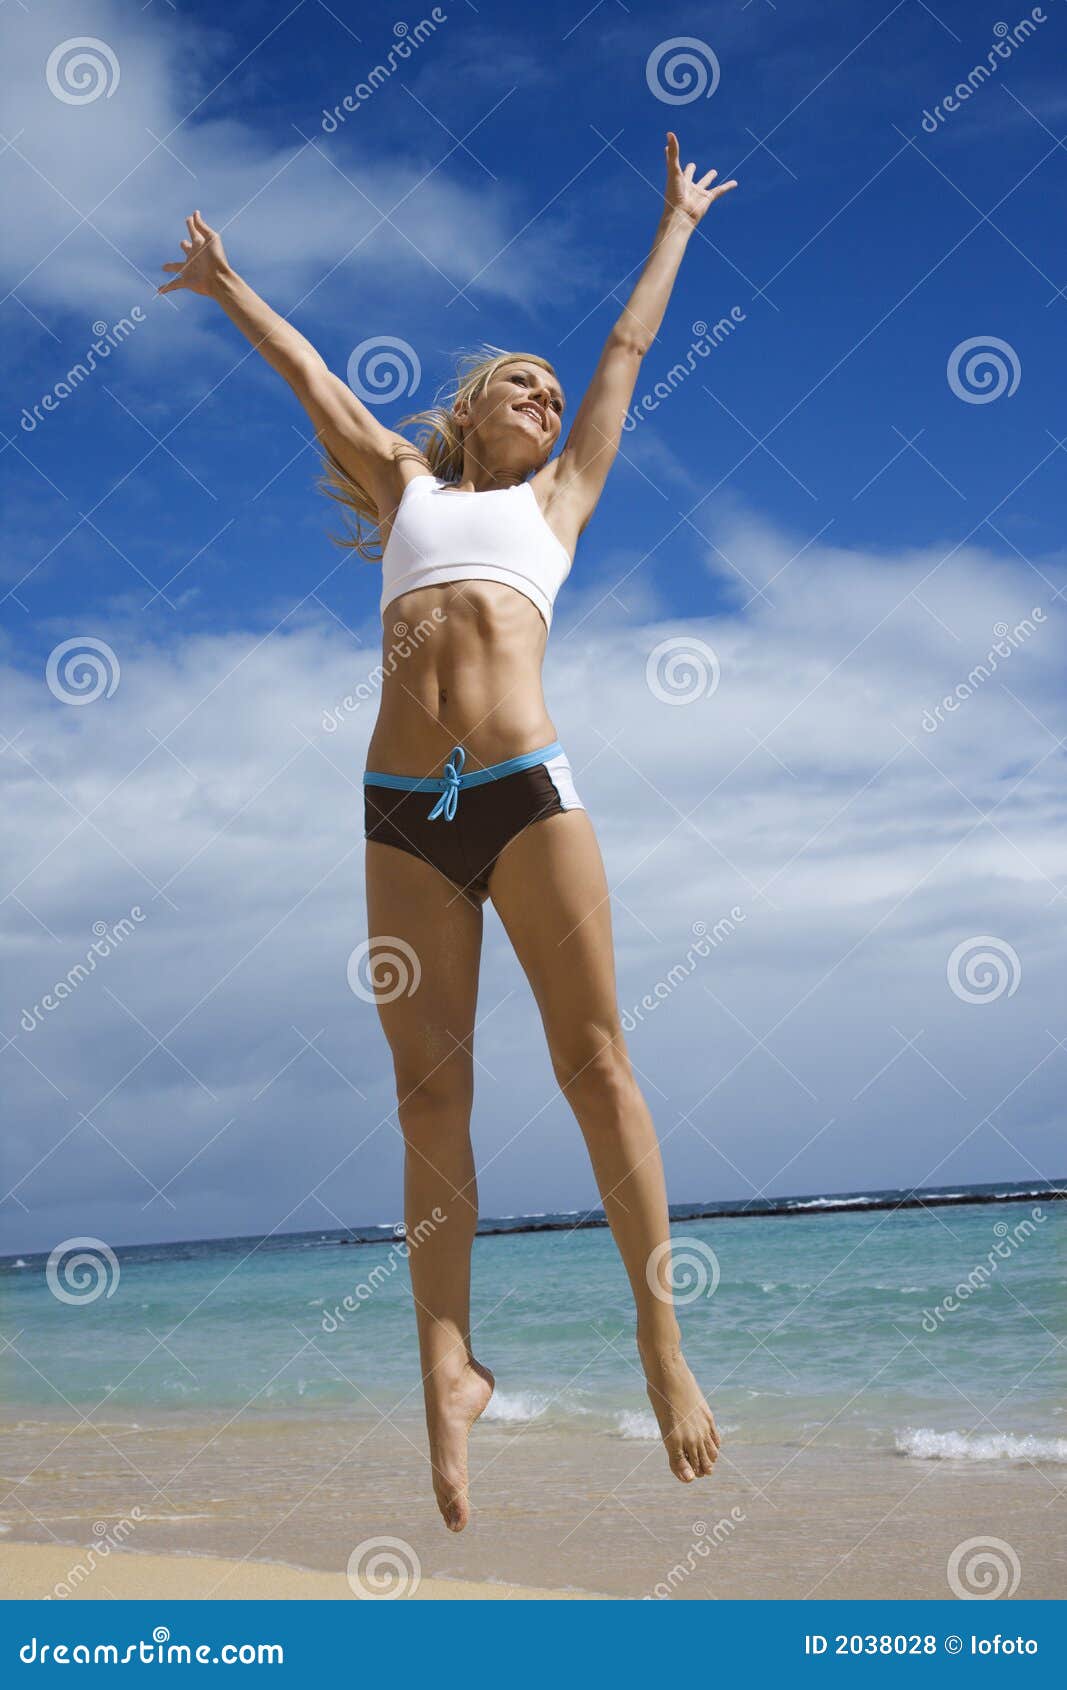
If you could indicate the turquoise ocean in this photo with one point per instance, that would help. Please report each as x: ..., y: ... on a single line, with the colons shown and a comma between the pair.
x: 935, y: 1332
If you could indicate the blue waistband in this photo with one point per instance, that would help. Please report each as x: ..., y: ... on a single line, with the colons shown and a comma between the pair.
x: 453, y: 781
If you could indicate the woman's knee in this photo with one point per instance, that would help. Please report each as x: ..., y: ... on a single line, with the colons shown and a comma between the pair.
x: 591, y: 1064
x: 432, y: 1086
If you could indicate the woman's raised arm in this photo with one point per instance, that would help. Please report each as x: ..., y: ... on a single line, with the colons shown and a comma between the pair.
x: 576, y: 478
x: 349, y: 431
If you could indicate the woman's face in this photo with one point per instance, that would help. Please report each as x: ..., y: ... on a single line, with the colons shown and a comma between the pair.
x: 516, y: 420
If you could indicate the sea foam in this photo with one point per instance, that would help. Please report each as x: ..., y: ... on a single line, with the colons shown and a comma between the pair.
x: 639, y: 1423
x: 512, y: 1407
x: 926, y: 1445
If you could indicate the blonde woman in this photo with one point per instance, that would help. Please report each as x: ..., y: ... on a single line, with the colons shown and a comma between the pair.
x: 469, y: 795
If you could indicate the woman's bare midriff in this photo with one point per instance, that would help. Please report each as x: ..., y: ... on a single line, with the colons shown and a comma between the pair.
x: 461, y: 665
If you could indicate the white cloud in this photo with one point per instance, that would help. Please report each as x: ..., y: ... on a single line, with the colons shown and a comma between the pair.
x: 290, y: 214
x: 804, y: 791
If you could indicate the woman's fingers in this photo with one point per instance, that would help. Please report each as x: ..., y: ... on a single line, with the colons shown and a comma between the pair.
x: 186, y: 246
x: 723, y: 188
x: 706, y: 181
x: 203, y: 227
x: 171, y: 268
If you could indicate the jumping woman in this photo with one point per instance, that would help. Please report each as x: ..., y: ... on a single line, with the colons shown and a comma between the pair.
x: 469, y: 795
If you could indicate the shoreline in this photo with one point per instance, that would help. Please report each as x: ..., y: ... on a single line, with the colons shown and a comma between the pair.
x: 810, y: 1521
x: 32, y: 1571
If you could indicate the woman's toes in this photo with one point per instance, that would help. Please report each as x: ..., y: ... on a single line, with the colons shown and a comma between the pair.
x: 710, y: 1453
x: 681, y: 1468
x: 455, y: 1510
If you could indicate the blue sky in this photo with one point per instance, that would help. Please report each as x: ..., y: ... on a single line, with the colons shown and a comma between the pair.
x: 816, y: 504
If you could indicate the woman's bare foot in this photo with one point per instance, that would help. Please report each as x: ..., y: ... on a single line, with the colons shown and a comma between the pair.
x: 454, y: 1400
x: 686, y: 1423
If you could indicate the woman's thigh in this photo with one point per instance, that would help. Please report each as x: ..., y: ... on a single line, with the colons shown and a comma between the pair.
x: 551, y: 893
x: 425, y: 950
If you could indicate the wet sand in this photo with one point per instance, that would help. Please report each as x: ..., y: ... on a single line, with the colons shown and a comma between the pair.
x: 559, y: 1512
x: 31, y: 1571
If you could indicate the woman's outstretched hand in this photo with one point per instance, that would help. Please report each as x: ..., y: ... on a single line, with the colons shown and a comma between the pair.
x: 684, y: 195
x: 204, y: 262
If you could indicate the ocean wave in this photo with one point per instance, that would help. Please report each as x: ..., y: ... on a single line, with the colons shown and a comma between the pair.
x: 926, y: 1445
x: 636, y: 1423
x: 512, y: 1407
x: 827, y: 1202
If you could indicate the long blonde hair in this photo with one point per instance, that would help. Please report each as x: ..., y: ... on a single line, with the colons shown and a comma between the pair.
x: 438, y: 440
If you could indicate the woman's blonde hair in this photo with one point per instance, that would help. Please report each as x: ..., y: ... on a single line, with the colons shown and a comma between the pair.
x: 439, y: 440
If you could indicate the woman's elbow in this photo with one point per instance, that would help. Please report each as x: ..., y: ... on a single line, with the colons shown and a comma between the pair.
x: 629, y: 343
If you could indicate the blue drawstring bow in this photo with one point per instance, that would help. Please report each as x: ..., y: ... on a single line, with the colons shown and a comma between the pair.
x: 449, y: 799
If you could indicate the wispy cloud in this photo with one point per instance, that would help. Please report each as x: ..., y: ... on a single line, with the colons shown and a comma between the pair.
x: 96, y: 192
x: 804, y: 789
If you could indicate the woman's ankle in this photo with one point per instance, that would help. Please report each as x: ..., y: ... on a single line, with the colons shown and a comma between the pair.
x: 660, y: 1344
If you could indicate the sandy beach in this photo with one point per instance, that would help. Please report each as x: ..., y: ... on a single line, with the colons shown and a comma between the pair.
x: 32, y: 1571
x: 279, y: 1507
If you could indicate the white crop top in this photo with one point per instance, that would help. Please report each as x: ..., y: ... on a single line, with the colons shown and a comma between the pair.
x: 440, y: 535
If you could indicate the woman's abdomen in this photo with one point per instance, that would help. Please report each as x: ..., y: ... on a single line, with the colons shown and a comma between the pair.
x: 461, y: 665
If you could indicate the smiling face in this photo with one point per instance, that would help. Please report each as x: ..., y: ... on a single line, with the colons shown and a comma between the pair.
x: 513, y: 425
